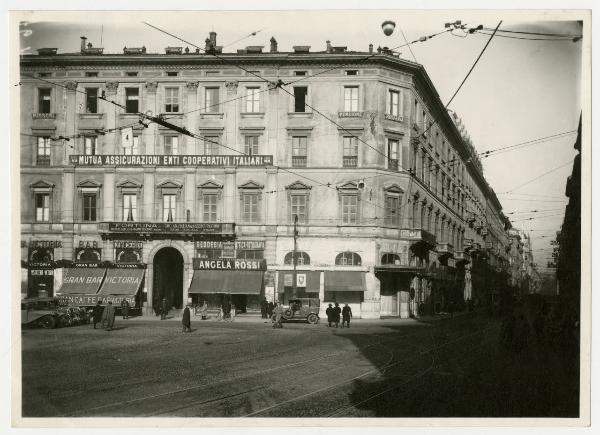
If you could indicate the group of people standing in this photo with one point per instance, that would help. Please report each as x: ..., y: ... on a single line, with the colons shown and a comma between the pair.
x: 266, y: 309
x: 106, y: 315
x: 334, y: 313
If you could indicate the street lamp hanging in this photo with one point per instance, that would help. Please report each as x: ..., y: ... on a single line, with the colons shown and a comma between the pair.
x: 388, y: 27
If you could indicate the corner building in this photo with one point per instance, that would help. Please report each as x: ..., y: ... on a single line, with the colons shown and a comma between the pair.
x: 391, y: 202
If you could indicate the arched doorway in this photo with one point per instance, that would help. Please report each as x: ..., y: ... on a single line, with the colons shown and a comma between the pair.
x: 168, y: 278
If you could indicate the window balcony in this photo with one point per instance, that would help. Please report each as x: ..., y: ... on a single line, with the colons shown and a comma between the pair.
x: 350, y: 161
x: 299, y: 162
x: 42, y: 161
x: 350, y: 114
x: 445, y: 248
x: 393, y: 164
x: 396, y: 118
x: 37, y: 115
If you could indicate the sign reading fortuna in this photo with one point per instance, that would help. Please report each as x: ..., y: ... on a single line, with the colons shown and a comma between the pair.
x: 165, y: 160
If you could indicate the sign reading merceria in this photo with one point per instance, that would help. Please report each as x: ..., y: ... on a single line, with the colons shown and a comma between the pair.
x: 169, y: 160
x: 227, y: 264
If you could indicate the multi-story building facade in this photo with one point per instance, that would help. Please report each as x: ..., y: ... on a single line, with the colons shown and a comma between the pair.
x: 394, y: 214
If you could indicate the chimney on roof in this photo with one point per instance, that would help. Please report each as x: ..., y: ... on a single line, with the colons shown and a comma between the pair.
x: 328, y: 46
x: 370, y: 48
x: 207, y: 45
x: 213, y: 38
x: 273, y: 45
x: 83, y: 40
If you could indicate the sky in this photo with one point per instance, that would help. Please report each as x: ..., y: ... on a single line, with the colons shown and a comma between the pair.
x: 520, y: 90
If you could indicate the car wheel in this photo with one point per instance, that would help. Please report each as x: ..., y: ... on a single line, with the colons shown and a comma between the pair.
x: 47, y: 322
x: 288, y: 313
x: 312, y: 318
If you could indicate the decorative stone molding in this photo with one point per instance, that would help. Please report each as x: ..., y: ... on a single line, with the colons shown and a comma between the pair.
x: 151, y: 86
x: 71, y: 86
x: 192, y: 86
x: 111, y: 87
x: 231, y: 87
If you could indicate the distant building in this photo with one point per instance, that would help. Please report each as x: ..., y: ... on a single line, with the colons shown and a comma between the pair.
x: 394, y: 214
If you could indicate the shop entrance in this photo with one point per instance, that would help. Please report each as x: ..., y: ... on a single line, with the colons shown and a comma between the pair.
x: 168, y: 278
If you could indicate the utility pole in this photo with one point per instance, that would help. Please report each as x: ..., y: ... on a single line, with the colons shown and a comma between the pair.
x: 294, y: 259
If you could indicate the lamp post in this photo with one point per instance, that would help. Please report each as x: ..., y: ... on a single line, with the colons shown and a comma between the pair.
x: 294, y: 259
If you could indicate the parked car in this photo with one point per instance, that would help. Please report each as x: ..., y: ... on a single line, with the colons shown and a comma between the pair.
x: 302, y: 309
x: 42, y: 312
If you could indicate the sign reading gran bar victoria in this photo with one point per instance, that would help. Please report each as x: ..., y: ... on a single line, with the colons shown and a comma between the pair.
x: 165, y: 160
x: 168, y: 227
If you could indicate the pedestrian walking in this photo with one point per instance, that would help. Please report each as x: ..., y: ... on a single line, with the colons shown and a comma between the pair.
x: 329, y: 312
x: 278, y: 312
x: 163, y: 309
x: 204, y: 311
x: 108, y: 317
x: 185, y: 320
x: 264, y: 305
x: 97, y: 313
x: 337, y: 311
x: 346, y: 315
x: 232, y: 312
x: 270, y: 309
x: 125, y: 309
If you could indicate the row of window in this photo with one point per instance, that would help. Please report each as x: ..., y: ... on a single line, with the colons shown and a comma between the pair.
x: 212, y: 100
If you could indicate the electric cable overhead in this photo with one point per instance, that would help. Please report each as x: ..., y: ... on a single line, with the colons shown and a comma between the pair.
x: 539, y: 176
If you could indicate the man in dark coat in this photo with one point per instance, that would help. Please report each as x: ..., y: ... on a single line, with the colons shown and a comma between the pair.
x: 263, y: 308
x: 270, y: 308
x: 185, y: 320
x: 337, y: 311
x: 346, y: 315
x: 125, y: 309
x: 97, y: 313
x: 329, y: 312
x: 163, y: 309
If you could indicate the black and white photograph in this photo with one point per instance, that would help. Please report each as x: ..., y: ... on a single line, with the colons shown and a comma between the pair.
x: 263, y: 216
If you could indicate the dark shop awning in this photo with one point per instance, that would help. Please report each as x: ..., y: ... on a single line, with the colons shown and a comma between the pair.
x: 82, y: 280
x: 311, y: 277
x: 247, y: 282
x: 344, y: 281
x: 122, y: 281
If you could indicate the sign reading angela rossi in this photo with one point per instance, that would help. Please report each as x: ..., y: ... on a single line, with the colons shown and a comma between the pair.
x: 227, y: 264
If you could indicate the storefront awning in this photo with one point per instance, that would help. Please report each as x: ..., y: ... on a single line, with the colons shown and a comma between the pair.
x: 310, y: 278
x: 345, y: 281
x: 248, y: 282
x: 122, y: 281
x: 82, y: 280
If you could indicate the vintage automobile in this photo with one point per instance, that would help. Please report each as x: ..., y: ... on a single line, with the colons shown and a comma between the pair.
x: 42, y: 312
x: 302, y: 309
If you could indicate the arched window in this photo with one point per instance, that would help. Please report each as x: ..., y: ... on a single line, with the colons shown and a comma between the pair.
x: 348, y: 259
x: 302, y: 258
x: 390, y: 259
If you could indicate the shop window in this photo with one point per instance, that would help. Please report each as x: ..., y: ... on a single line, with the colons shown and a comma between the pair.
x: 250, y: 254
x: 44, y: 100
x: 132, y: 99
x: 211, y: 100
x: 348, y: 259
x: 130, y: 207
x: 91, y: 100
x: 89, y: 207
x: 43, y: 151
x: 393, y: 103
x: 299, y: 151
x: 393, y: 154
x: 42, y: 207
x: 302, y: 258
x: 209, y: 254
x: 350, y: 156
x: 251, y: 145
